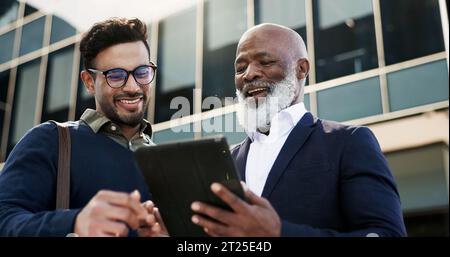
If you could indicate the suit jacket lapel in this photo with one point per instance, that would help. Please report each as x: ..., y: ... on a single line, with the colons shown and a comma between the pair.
x: 241, y: 158
x: 293, y: 143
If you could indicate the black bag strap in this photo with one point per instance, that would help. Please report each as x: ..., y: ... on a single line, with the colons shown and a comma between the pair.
x: 63, y: 177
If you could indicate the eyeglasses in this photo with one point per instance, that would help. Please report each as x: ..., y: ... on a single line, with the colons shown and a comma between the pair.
x: 118, y: 77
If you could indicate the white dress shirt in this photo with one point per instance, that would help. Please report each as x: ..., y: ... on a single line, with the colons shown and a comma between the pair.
x: 264, y: 149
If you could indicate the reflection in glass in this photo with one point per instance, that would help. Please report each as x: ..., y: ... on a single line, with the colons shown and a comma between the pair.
x: 411, y: 29
x: 344, y: 36
x: 29, y: 10
x: 225, y: 22
x: 291, y: 13
x: 7, y: 46
x: 351, y: 101
x: 420, y: 85
x: 306, y: 101
x: 84, y: 99
x: 420, y: 174
x: 32, y: 36
x: 24, y: 101
x: 226, y: 125
x: 2, y: 117
x: 60, y: 30
x: 4, y: 81
x: 8, y: 11
x: 176, y: 64
x: 57, y: 85
x: 178, y: 133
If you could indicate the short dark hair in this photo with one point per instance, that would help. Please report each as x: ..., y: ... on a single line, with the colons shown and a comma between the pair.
x: 108, y: 33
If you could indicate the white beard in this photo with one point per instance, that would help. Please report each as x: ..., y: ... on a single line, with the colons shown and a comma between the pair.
x: 254, y: 117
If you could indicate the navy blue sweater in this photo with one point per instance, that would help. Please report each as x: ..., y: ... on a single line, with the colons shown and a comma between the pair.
x: 28, y: 180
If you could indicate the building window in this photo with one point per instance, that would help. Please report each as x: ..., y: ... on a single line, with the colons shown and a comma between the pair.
x: 60, y: 30
x: 32, y: 36
x: 225, y: 22
x: 29, y: 10
x: 176, y: 64
x: 84, y: 99
x: 334, y: 103
x: 424, y: 84
x: 4, y: 81
x: 344, y: 38
x: 7, y: 43
x: 290, y: 13
x: 58, y: 84
x: 24, y: 104
x: 226, y: 125
x: 411, y: 29
x: 306, y: 101
x: 182, y: 132
x: 422, y: 184
x: 8, y: 12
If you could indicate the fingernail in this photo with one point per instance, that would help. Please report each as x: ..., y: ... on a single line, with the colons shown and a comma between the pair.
x: 195, y: 206
x: 244, y: 186
x: 136, y: 194
x: 195, y: 219
x: 215, y: 187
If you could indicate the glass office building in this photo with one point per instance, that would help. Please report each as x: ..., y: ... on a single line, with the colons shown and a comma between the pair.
x: 377, y: 63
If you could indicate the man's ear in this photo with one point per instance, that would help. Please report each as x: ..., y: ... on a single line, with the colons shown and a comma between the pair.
x: 88, y: 81
x: 302, y: 68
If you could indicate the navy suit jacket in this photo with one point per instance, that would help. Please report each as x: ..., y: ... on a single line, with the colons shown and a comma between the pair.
x: 330, y: 179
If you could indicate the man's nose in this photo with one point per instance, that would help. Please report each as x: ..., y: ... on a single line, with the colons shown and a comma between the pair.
x: 251, y: 73
x: 131, y: 86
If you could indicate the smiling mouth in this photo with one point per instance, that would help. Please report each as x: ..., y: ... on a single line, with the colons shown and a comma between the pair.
x: 257, y: 92
x: 127, y: 101
x: 130, y: 104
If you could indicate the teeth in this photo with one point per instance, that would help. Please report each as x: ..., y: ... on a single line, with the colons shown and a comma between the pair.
x: 256, y: 90
x: 130, y: 101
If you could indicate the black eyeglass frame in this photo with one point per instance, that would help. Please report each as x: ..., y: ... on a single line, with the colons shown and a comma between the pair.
x: 151, y: 65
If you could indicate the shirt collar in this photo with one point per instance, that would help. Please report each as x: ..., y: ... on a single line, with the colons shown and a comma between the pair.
x: 281, y: 123
x: 97, y: 121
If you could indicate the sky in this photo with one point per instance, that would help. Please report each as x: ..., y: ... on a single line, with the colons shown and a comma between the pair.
x: 82, y: 14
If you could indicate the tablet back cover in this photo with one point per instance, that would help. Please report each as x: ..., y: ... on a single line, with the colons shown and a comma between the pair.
x: 179, y: 173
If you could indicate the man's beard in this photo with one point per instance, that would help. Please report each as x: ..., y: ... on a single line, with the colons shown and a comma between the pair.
x: 256, y: 115
x: 130, y: 119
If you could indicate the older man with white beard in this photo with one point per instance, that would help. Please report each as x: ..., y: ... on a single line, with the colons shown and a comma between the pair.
x: 305, y: 176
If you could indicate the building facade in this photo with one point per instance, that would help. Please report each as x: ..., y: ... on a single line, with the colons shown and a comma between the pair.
x: 378, y: 63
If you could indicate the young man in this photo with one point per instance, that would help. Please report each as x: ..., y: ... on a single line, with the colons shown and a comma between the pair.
x: 305, y: 176
x: 106, y: 186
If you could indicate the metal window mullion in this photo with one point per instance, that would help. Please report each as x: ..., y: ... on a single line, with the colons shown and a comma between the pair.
x: 444, y: 22
x: 43, y: 71
x: 21, y: 10
x: 74, y: 82
x: 12, y: 82
x: 380, y: 55
x: 8, y: 113
x: 197, y: 97
x: 250, y: 13
x: 313, y: 108
x: 154, y: 37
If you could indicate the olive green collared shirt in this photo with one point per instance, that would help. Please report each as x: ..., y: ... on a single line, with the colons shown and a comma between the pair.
x: 101, y: 124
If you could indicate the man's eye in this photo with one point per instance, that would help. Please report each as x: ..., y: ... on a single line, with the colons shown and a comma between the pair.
x: 266, y: 63
x: 240, y: 70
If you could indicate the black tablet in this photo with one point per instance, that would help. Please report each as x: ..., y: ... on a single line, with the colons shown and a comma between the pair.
x: 180, y: 173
